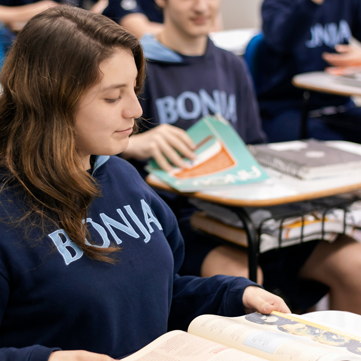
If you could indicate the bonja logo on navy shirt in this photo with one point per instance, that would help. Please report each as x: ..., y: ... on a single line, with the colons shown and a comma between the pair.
x: 190, y: 105
x: 329, y: 34
x: 71, y: 252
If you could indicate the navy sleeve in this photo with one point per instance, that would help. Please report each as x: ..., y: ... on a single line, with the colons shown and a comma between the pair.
x: 194, y: 296
x: 116, y: 9
x: 31, y: 353
x: 285, y: 21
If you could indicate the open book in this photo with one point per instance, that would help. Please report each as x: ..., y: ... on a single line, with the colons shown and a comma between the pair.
x: 254, y: 337
x: 222, y: 159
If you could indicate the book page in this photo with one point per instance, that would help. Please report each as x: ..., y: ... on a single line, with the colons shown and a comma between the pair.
x: 182, y: 346
x: 277, y: 338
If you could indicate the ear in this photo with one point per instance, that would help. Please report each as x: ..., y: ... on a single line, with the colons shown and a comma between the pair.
x: 160, y: 3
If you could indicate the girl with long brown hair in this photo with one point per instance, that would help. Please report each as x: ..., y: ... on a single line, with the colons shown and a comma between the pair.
x: 89, y: 254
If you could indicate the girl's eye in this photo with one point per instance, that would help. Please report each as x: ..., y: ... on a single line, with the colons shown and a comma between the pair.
x: 112, y: 100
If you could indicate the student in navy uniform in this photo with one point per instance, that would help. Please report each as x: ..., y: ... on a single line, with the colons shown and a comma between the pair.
x: 15, y: 13
x: 188, y: 77
x: 89, y: 254
x: 299, y: 35
x: 183, y: 86
x: 137, y: 16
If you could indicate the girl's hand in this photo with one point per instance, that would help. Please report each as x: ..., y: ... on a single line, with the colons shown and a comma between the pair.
x: 78, y: 356
x: 257, y: 299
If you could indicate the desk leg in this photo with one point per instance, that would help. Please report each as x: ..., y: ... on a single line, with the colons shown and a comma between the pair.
x: 304, y: 115
x: 253, y: 242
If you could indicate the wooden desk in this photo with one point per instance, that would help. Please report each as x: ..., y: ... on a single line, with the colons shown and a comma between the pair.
x: 272, y: 192
x: 319, y: 81
x: 279, y: 189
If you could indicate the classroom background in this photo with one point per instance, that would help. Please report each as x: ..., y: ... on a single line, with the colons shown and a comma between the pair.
x: 239, y: 14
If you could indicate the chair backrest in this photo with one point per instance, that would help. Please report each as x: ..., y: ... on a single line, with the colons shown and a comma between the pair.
x: 2, y: 55
x: 251, y: 56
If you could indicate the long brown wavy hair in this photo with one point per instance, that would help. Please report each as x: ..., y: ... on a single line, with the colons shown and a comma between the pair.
x: 53, y: 63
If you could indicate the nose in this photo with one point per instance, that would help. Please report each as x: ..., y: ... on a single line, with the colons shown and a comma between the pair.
x: 133, y: 109
x: 201, y: 6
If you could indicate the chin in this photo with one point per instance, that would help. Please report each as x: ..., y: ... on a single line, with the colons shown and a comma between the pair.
x: 200, y: 32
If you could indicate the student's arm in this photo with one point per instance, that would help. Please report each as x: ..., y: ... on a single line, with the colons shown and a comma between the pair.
x: 222, y: 295
x: 99, y: 6
x: 21, y: 14
x: 138, y: 24
x: 345, y: 60
x: 38, y: 352
x: 347, y: 56
x: 285, y: 21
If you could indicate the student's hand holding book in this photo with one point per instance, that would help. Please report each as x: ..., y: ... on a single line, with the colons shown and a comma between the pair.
x: 257, y: 299
x: 165, y: 143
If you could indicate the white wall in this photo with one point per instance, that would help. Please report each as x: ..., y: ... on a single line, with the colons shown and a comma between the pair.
x: 238, y: 14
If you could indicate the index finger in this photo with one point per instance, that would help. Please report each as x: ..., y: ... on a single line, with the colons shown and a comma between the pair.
x: 183, y: 136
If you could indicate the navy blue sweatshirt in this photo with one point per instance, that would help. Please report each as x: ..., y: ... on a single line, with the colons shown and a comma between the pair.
x: 26, y: 2
x: 54, y: 297
x: 117, y: 9
x: 180, y: 89
x: 297, y: 32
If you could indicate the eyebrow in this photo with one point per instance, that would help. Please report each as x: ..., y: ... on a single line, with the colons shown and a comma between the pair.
x: 114, y: 86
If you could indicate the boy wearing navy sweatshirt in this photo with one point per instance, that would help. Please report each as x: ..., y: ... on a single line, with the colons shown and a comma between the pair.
x: 188, y: 77
x: 299, y: 37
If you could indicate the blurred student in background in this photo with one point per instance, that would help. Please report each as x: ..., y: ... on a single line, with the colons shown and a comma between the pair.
x: 14, y: 14
x: 303, y: 36
x: 137, y: 16
x: 188, y: 77
x: 142, y: 16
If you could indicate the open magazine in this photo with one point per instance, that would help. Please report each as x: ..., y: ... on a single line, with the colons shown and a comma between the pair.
x: 254, y: 337
x: 222, y: 159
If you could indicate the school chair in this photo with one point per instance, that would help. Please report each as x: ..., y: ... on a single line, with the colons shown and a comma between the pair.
x: 251, y: 56
x: 2, y: 56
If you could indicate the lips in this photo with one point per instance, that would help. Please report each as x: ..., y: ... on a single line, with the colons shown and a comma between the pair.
x: 125, y: 131
x: 200, y: 20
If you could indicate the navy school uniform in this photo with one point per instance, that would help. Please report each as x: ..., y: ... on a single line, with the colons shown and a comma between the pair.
x: 179, y: 90
x: 296, y: 34
x: 117, y: 9
x: 54, y: 297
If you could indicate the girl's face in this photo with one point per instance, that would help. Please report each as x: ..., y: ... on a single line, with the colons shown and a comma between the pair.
x: 106, y: 113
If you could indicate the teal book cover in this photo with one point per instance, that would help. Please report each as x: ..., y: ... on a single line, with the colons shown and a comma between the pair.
x: 222, y: 159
